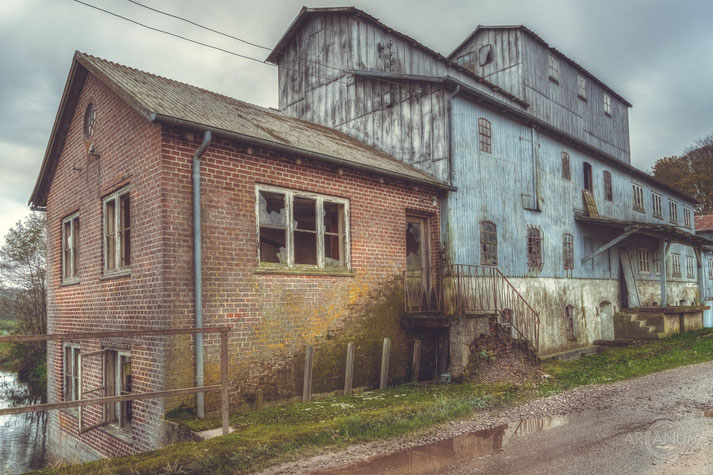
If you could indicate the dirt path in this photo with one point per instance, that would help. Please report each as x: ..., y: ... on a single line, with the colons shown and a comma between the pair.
x: 658, y: 423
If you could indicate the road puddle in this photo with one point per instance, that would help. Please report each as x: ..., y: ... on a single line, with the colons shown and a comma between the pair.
x: 430, y: 458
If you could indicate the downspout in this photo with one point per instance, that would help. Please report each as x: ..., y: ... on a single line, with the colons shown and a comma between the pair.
x: 197, y: 272
x: 450, y: 134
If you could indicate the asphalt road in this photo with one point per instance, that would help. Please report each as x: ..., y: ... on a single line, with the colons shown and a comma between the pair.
x: 660, y: 423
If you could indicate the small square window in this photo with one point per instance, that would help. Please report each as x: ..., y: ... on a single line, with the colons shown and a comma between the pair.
x: 553, y: 68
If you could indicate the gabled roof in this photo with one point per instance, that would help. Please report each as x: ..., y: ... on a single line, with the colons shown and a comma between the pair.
x: 171, y: 102
x: 305, y: 13
x: 537, y: 38
x: 704, y: 222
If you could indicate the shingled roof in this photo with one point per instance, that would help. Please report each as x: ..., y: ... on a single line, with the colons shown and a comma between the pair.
x: 164, y: 100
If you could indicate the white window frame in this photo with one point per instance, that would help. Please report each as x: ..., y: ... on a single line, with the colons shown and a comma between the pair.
x: 607, y: 104
x: 117, y: 421
x: 644, y: 263
x: 581, y: 87
x: 553, y: 68
x: 73, y: 275
x: 290, y: 195
x: 672, y: 211
x: 118, y: 267
x: 656, y: 209
x: 687, y: 217
x: 638, y: 196
x: 76, y: 386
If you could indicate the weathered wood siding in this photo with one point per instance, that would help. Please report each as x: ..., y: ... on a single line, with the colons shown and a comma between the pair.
x: 503, y: 200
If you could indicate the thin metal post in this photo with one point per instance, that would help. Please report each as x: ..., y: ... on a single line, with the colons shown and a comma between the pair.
x: 224, y: 401
x: 349, y: 375
x: 385, y: 363
x: 307, y: 384
x: 416, y: 366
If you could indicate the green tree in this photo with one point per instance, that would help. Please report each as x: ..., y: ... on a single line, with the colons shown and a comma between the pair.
x: 691, y: 173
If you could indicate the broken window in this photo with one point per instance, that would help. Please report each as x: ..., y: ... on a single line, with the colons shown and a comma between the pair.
x: 566, y: 174
x: 534, y: 248
x: 656, y: 205
x: 553, y: 68
x: 644, y: 265
x: 608, y: 191
x: 687, y: 216
x: 569, y: 322
x: 587, y: 169
x: 301, y: 229
x: 117, y: 381
x: 675, y: 265
x: 568, y: 251
x: 467, y: 60
x: 484, y: 135
x: 607, y: 104
x: 485, y: 54
x: 71, y: 372
x: 657, y: 262
x: 673, y: 211
x: 581, y: 87
x: 70, y: 248
x: 117, y: 232
x: 638, y: 197
x: 690, y: 265
x: 488, y: 244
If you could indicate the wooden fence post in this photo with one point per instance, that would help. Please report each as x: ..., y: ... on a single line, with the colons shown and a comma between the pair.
x: 416, y: 366
x: 307, y: 386
x: 350, y: 369
x: 385, y: 363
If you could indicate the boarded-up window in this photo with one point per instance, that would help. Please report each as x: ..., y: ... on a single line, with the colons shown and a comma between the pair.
x: 607, y: 104
x: 488, y: 244
x: 644, y: 265
x: 676, y: 265
x: 568, y: 251
x: 673, y: 211
x: 581, y: 87
x: 566, y: 173
x: 484, y: 135
x: 638, y: 197
x: 608, y: 191
x: 553, y: 68
x: 301, y: 229
x: 690, y: 266
x: 117, y: 232
x: 534, y: 248
x: 656, y: 205
x: 569, y: 322
x: 70, y: 248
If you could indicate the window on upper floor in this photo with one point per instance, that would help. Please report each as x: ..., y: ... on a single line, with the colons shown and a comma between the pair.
x: 675, y: 265
x: 71, y: 371
x: 687, y: 216
x: 710, y: 269
x: 488, y: 244
x: 656, y: 205
x: 644, y: 264
x: 485, y: 54
x: 534, y: 248
x: 608, y: 191
x: 300, y: 229
x: 566, y: 174
x: 553, y: 68
x: 657, y: 262
x: 568, y: 251
x: 690, y: 265
x: 117, y: 232
x: 588, y: 184
x: 673, y: 211
x: 467, y: 60
x: 70, y: 248
x: 607, y: 104
x: 638, y: 197
x: 581, y: 87
x: 485, y: 134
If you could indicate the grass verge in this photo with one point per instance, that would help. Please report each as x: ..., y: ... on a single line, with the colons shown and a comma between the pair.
x: 285, y: 432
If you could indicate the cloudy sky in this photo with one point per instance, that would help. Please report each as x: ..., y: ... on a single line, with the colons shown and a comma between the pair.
x: 657, y: 54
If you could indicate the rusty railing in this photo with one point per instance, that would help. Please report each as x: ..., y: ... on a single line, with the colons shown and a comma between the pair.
x: 471, y: 290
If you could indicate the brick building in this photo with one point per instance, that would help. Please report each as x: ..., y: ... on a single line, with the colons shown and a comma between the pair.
x: 304, y: 230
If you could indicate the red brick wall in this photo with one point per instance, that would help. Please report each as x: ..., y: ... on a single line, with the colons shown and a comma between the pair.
x: 129, y: 153
x: 274, y: 316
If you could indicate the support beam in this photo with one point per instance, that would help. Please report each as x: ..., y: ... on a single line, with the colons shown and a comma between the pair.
x: 611, y: 243
x: 701, y: 282
x: 662, y: 262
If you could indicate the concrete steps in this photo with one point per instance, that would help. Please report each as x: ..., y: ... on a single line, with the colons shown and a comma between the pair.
x: 637, y: 326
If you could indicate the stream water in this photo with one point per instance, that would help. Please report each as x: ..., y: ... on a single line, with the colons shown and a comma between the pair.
x: 22, y: 436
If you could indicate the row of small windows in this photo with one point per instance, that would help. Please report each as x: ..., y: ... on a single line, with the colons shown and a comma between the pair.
x: 656, y: 211
x: 489, y: 247
x: 588, y: 181
x: 553, y: 72
x: 645, y: 266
